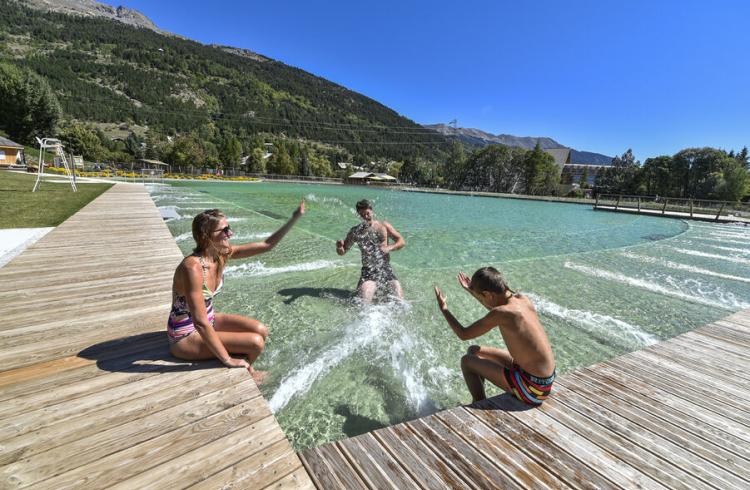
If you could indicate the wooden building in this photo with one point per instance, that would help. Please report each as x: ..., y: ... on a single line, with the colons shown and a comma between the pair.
x: 10, y: 152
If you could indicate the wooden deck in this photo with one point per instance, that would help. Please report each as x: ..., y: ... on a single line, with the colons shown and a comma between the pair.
x: 671, y: 214
x: 89, y: 396
x: 674, y: 415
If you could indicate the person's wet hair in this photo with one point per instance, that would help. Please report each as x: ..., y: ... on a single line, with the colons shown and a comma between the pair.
x: 489, y: 279
x: 364, y: 204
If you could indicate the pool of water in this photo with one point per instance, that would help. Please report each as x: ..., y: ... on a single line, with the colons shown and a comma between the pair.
x: 603, y: 283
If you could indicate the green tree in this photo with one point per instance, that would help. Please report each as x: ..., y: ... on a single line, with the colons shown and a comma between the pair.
x: 583, y: 181
x: 135, y: 146
x: 540, y: 172
x: 256, y: 164
x: 455, y: 165
x: 281, y: 163
x: 29, y: 108
x: 186, y: 152
x: 81, y: 139
x: 230, y: 152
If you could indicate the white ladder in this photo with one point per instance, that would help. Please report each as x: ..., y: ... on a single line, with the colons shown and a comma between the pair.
x: 56, y: 146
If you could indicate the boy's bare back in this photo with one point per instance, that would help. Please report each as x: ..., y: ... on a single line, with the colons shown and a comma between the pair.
x: 524, y: 335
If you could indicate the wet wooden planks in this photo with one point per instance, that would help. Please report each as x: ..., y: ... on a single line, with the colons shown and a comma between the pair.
x: 89, y: 395
x: 674, y: 415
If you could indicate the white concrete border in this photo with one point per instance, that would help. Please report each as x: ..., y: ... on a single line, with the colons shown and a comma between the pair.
x: 13, y: 241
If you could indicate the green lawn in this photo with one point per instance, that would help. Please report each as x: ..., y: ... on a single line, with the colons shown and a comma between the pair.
x: 49, y: 206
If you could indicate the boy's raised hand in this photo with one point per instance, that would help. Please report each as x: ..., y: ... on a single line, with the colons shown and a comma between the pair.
x: 464, y: 281
x: 440, y: 299
x: 300, y: 210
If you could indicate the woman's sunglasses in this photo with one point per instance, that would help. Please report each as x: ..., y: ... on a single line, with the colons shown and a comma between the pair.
x: 227, y: 231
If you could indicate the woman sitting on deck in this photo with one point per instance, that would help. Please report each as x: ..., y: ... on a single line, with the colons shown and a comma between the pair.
x: 198, y: 278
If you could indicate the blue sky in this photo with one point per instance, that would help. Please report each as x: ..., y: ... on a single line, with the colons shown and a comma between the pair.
x: 655, y: 76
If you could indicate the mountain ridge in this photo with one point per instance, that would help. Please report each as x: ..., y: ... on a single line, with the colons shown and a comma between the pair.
x: 478, y: 138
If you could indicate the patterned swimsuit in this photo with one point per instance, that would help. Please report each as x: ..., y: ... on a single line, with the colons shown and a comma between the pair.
x: 180, y: 323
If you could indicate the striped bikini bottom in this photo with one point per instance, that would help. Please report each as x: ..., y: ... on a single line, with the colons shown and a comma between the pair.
x: 528, y: 388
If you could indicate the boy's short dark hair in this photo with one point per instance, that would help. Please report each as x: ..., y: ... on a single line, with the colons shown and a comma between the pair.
x: 364, y: 204
x: 489, y: 279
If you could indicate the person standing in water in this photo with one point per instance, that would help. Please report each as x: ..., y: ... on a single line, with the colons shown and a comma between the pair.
x: 200, y: 277
x: 527, y: 368
x: 372, y: 237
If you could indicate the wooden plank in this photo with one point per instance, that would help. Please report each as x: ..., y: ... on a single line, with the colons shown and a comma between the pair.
x: 715, y: 341
x: 401, y: 442
x: 33, y: 420
x: 187, y: 468
x: 616, y: 443
x: 697, y: 393
x: 719, y: 382
x: 260, y: 470
x: 705, y: 349
x: 447, y: 445
x: 379, y: 469
x: 127, y: 410
x: 331, y: 468
x: 116, y: 357
x: 560, y: 463
x: 604, y: 461
x: 724, y: 462
x: 502, y: 453
x: 159, y: 440
x: 667, y: 406
x: 296, y: 480
x: 698, y: 473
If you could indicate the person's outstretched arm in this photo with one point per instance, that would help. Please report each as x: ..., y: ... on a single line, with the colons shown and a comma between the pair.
x: 476, y: 329
x: 343, y: 246
x: 254, y: 248
x: 398, y: 240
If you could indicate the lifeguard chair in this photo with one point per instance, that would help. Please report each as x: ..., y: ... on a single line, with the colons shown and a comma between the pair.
x: 55, y: 147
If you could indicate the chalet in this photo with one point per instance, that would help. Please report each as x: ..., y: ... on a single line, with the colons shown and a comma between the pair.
x: 10, y: 152
x: 366, y: 178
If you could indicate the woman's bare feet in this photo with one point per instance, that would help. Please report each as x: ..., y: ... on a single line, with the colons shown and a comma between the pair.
x: 258, y: 376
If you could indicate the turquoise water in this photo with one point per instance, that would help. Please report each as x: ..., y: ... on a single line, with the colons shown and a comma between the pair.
x: 603, y: 283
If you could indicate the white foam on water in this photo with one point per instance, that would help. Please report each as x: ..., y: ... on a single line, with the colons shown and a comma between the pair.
x: 596, y: 323
x: 370, y: 325
x: 727, y: 301
x: 744, y: 251
x: 683, y: 267
x: 184, y: 236
x: 235, y: 219
x: 697, y: 253
x: 259, y: 269
x: 706, y: 239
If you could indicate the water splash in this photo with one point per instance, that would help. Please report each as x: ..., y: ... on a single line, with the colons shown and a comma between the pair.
x: 683, y: 267
x: 259, y: 269
x: 604, y: 326
x: 373, y: 320
x: 726, y: 301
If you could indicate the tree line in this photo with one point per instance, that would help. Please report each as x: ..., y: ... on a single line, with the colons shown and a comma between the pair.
x: 696, y: 173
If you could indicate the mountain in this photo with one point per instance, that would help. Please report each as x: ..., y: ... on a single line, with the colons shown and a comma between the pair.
x: 478, y: 138
x: 90, y: 8
x: 114, y: 66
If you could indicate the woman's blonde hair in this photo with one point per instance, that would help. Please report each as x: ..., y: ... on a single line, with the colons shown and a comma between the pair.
x: 204, y: 225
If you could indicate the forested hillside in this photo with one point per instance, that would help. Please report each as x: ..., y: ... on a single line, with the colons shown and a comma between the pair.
x: 105, y: 71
